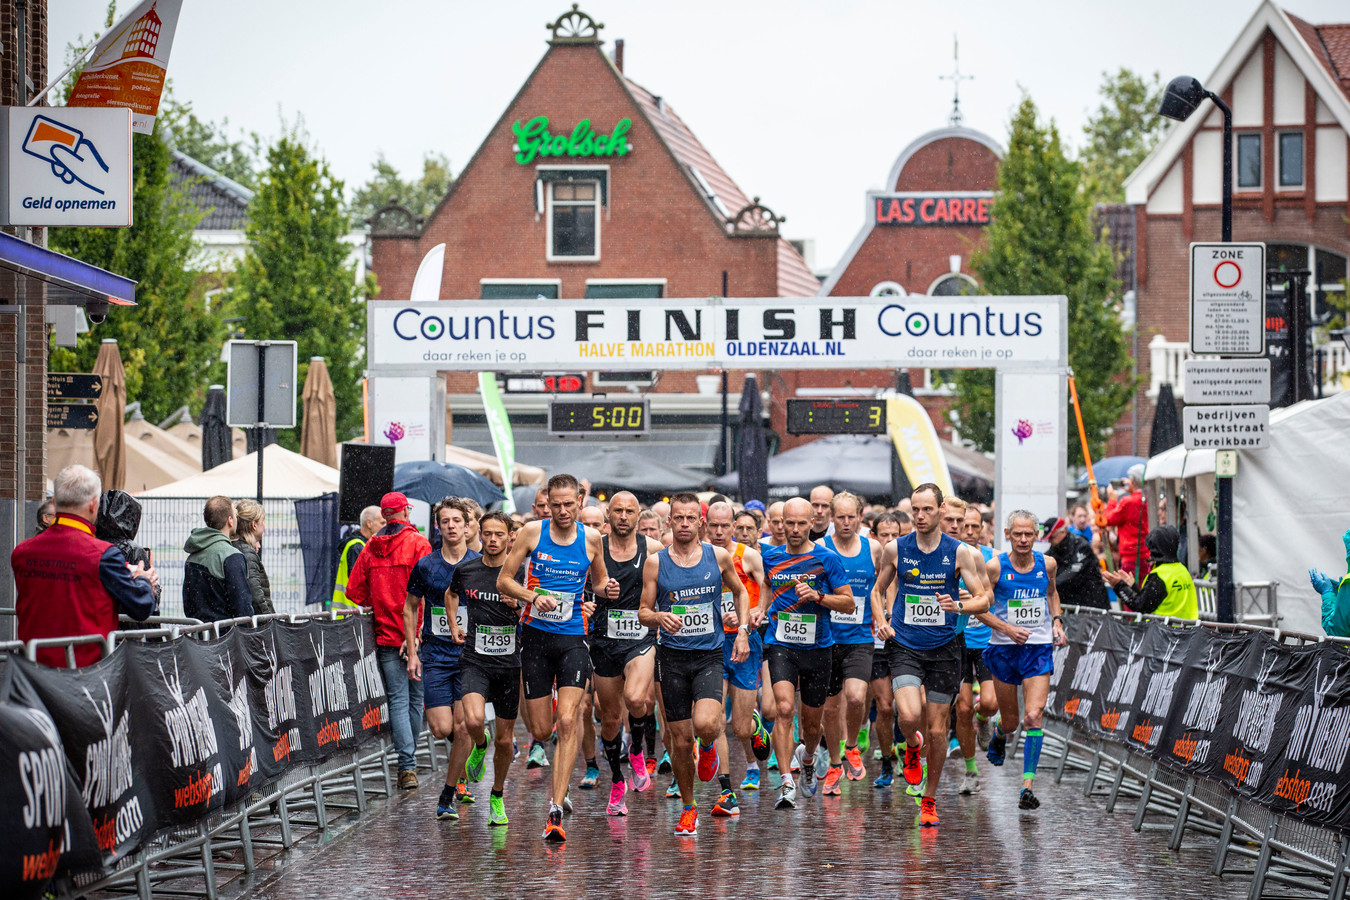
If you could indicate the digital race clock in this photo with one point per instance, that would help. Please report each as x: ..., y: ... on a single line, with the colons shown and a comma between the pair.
x: 836, y: 416
x: 573, y: 417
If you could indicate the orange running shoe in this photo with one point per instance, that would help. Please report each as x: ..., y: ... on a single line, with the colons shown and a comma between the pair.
x: 914, y: 761
x: 707, y: 761
x: 832, y: 777
x: 688, y: 826
x: 553, y: 831
x: 853, y: 756
x: 928, y: 812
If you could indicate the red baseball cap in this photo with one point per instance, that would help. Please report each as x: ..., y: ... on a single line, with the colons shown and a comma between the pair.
x: 393, y: 502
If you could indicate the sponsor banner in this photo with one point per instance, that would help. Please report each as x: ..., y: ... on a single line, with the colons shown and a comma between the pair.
x: 1193, y: 737
x: 503, y: 440
x: 916, y: 443
x: 129, y: 63
x: 703, y: 333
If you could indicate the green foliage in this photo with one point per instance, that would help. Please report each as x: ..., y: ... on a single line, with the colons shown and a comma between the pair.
x: 419, y: 196
x: 210, y: 143
x: 1040, y: 241
x: 295, y: 282
x: 1122, y: 131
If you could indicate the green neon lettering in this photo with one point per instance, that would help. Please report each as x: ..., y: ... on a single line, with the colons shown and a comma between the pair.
x: 533, y: 140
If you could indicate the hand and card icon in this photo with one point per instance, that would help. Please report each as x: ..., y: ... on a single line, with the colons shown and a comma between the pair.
x: 69, y: 153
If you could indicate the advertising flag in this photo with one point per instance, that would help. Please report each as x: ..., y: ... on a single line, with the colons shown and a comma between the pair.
x: 500, y: 426
x: 916, y: 442
x: 128, y: 66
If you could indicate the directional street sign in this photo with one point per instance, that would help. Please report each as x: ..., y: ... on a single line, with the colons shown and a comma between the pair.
x: 1228, y: 299
x: 1226, y: 427
x: 1226, y: 380
x: 72, y: 415
x: 73, y: 386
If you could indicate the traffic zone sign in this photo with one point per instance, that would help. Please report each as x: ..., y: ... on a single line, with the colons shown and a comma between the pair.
x: 1228, y: 299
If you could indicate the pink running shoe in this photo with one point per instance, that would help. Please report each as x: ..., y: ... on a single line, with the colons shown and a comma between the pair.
x: 616, y: 805
x: 641, y: 780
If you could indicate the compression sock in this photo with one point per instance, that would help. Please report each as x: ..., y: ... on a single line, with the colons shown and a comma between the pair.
x: 724, y: 781
x: 1031, y: 751
x: 613, y: 753
x: 635, y: 731
x: 981, y: 716
x: 970, y: 765
x: 496, y: 793
x: 649, y: 733
x: 447, y: 793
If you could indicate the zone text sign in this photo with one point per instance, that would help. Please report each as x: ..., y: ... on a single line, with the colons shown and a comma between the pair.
x: 1227, y: 380
x: 1228, y: 299
x: 1226, y: 427
x: 66, y: 166
x: 709, y: 333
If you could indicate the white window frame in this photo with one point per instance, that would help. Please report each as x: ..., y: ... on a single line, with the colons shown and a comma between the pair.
x: 605, y: 281
x: 555, y: 282
x: 1279, y: 159
x: 1237, y: 162
x: 895, y: 288
x: 946, y: 275
x: 549, y: 255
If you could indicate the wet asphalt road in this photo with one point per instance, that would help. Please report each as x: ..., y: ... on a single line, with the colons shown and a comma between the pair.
x: 864, y: 843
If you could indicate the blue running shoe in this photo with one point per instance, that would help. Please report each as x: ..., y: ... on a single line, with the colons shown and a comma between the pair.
x: 751, y: 782
x: 591, y: 777
x: 997, y: 745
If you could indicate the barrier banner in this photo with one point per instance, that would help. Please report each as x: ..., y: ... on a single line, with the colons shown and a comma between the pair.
x: 1083, y: 672
x: 1194, y: 736
x: 1150, y: 689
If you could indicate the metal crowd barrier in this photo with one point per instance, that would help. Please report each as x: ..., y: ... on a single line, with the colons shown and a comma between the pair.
x: 1250, y: 840
x: 1254, y: 602
x: 308, y: 802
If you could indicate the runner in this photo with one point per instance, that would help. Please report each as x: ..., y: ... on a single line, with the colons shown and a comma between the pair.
x: 680, y: 597
x: 774, y: 520
x: 437, y: 661
x: 974, y: 722
x: 806, y: 584
x: 741, y: 680
x: 591, y: 517
x: 926, y: 657
x: 490, y: 662
x: 621, y: 651
x: 1026, y: 622
x: 553, y: 650
x: 851, y: 661
x: 887, y: 529
x: 649, y: 525
x: 746, y: 529
x: 822, y: 495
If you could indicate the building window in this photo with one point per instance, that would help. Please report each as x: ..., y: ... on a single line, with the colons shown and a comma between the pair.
x: 519, y: 288
x: 1291, y: 159
x: 887, y: 289
x: 1326, y: 286
x: 574, y: 220
x: 1249, y: 160
x: 625, y: 288
x: 953, y: 284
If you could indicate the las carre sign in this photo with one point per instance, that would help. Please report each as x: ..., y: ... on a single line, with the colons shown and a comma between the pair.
x: 703, y: 333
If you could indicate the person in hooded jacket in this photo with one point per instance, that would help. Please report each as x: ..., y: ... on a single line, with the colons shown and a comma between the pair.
x: 215, y: 576
x: 1335, y: 596
x: 248, y: 532
x: 119, y: 520
x: 1168, y: 589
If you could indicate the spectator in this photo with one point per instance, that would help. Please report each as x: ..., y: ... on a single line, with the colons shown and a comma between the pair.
x: 1335, y: 597
x: 379, y: 580
x: 46, y: 514
x: 1078, y: 576
x: 215, y: 576
x: 119, y: 520
x: 248, y: 532
x: 1128, y: 514
x: 1207, y: 555
x: 371, y: 522
x: 1080, y: 522
x: 1168, y: 589
x: 69, y: 583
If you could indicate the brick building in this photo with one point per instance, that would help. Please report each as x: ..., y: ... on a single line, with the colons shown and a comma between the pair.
x: 1288, y: 85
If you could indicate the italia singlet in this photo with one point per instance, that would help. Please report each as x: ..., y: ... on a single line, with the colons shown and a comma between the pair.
x: 693, y: 595
x: 919, y: 622
x: 855, y: 627
x: 1019, y: 599
x: 559, y: 570
x: 977, y: 633
x: 617, y: 619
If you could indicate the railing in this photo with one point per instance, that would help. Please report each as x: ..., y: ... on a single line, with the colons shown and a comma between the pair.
x: 1166, y: 358
x: 1254, y: 602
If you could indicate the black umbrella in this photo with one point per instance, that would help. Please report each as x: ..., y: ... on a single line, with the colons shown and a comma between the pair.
x: 217, y: 442
x: 753, y: 452
x: 618, y: 468
x: 431, y: 481
x: 1166, y: 432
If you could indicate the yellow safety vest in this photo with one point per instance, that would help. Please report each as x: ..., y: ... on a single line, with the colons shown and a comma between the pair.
x: 1181, y: 601
x: 343, y: 573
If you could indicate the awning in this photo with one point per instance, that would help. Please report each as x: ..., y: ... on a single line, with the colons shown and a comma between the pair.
x: 75, y: 282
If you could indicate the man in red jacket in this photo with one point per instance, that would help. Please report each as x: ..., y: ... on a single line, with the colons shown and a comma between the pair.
x: 379, y: 580
x: 1128, y: 514
x: 69, y: 582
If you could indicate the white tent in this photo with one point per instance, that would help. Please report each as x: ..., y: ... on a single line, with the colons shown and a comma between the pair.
x: 285, y: 475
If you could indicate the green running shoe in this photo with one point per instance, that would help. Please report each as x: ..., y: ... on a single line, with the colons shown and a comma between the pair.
x: 474, y: 767
x: 498, y: 806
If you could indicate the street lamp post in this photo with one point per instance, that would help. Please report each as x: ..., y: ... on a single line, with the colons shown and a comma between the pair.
x: 1180, y: 99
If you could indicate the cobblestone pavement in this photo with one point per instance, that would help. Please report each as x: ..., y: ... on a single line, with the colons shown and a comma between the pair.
x: 864, y: 843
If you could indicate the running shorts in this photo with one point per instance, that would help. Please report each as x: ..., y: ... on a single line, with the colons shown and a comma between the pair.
x: 441, y: 683
x: 1012, y: 663
x: 743, y: 675
x: 686, y: 677
x: 974, y: 670
x: 849, y: 661
x: 806, y: 669
x: 610, y: 658
x: 547, y: 657
x: 500, y: 687
x: 938, y: 669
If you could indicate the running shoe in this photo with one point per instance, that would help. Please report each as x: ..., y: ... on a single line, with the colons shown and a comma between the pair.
x: 864, y: 740
x: 833, y: 775
x: 1028, y: 800
x: 808, y: 769
x: 928, y: 816
x: 447, y: 807
x: 474, y: 767
x: 641, y: 779
x: 773, y: 762
x: 953, y: 747
x: 515, y: 751
x: 759, y: 738
x: 651, y: 765
x: 707, y: 762
x: 663, y: 767
x: 726, y: 805
x: 998, y: 745
x: 853, y: 759
x: 592, y: 776
x: 616, y: 805
x: 673, y: 791
x: 407, y: 780
x: 537, y: 759
x: 751, y: 782
x: 795, y: 765
x: 567, y: 803
x: 822, y: 761
x: 787, y: 795
x: 984, y: 730
x: 970, y: 784
x: 553, y: 829
x: 884, y: 780
x: 463, y: 794
x: 688, y: 826
x: 916, y: 790
x: 498, y: 808
x: 914, y: 762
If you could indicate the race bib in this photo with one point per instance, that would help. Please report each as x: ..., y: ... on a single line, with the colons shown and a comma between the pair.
x: 796, y: 628
x: 495, y: 640
x: 462, y: 617
x: 560, y: 613
x: 694, y: 620
x: 1026, y: 613
x: 440, y: 622
x: 728, y: 602
x: 623, y: 625
x: 850, y: 618
x: 924, y: 611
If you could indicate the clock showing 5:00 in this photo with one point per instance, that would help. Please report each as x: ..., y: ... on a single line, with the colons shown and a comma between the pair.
x: 574, y: 417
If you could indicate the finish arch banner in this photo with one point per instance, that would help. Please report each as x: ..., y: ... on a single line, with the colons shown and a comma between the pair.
x: 716, y: 332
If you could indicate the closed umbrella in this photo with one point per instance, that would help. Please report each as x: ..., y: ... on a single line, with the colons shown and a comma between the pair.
x: 431, y: 481
x: 318, y: 429
x: 217, y: 440
x: 110, y: 456
x: 752, y: 455
x: 1166, y: 432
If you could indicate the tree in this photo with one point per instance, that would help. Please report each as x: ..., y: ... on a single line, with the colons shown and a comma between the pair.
x: 295, y: 281
x: 1040, y: 241
x: 420, y: 196
x: 1123, y: 130
x: 210, y: 144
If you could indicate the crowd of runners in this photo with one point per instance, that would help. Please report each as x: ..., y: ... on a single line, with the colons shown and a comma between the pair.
x: 815, y: 633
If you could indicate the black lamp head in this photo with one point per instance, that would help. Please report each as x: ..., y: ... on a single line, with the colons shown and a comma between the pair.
x: 1182, y: 96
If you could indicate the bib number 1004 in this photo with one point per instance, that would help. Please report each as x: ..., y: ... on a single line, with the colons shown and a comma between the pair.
x: 923, y: 611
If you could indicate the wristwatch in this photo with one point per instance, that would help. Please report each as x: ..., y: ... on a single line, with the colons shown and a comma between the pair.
x: 744, y: 627
x: 960, y: 607
x: 1059, y: 619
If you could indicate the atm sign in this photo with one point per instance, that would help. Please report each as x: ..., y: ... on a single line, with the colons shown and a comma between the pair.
x: 932, y: 209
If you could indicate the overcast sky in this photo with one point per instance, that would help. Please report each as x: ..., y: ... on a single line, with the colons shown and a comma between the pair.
x: 806, y: 104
